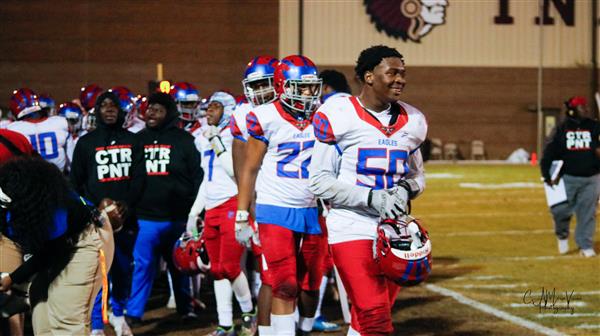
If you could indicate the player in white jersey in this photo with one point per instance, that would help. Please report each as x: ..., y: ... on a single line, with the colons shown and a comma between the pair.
x: 258, y: 90
x: 47, y: 135
x: 74, y: 115
x: 218, y: 195
x: 280, y: 146
x: 367, y: 162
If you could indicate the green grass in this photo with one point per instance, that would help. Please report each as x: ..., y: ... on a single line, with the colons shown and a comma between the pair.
x: 499, y: 232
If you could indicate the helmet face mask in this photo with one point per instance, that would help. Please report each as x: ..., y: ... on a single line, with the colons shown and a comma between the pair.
x: 259, y: 91
x: 302, y: 96
x: 258, y: 82
x: 298, y: 85
x: 403, y: 251
x: 73, y: 114
x: 188, y: 99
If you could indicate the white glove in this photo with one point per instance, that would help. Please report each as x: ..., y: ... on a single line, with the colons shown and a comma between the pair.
x: 192, y: 225
x: 243, y: 230
x: 389, y: 203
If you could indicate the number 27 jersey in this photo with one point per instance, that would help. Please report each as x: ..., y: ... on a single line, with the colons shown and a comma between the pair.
x: 283, y: 176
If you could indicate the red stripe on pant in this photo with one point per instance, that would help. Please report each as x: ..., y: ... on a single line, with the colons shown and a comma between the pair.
x: 290, y: 269
x: 367, y: 288
x: 223, y: 250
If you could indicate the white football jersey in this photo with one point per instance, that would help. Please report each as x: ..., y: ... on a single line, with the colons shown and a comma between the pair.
x: 283, y: 177
x: 4, y: 123
x: 220, y: 187
x: 370, y: 153
x: 47, y: 136
x: 238, y: 121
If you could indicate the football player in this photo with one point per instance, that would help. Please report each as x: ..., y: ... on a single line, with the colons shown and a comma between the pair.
x: 368, y: 164
x: 87, y: 98
x: 258, y: 90
x: 220, y: 203
x: 72, y: 112
x: 188, y: 100
x: 277, y: 156
x: 47, y: 135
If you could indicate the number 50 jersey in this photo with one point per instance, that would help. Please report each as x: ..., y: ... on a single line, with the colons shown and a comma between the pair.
x: 369, y: 154
x: 283, y: 177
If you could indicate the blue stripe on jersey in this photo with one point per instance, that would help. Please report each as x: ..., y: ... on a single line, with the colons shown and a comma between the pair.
x: 305, y: 220
x: 239, y: 137
x: 339, y: 150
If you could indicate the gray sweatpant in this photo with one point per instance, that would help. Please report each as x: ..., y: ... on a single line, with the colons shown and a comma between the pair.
x: 582, y: 199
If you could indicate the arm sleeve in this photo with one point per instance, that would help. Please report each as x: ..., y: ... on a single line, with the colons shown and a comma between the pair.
x: 138, y: 174
x: 194, y: 166
x: 199, y: 203
x: 416, y: 174
x: 324, y: 169
x: 226, y: 160
x: 77, y: 174
x: 27, y: 269
x: 550, y: 154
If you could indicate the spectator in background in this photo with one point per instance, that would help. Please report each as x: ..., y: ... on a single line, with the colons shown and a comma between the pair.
x: 173, y: 177
x: 575, y: 141
x: 108, y: 163
x: 12, y: 144
x: 334, y: 85
x: 69, y: 242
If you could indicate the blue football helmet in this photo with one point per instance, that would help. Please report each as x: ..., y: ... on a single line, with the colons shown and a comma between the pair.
x: 258, y: 83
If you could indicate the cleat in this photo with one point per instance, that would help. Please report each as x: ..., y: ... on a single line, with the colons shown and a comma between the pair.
x: 249, y: 324
x: 223, y: 332
x: 322, y: 325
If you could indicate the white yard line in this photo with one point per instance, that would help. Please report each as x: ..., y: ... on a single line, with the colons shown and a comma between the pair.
x: 493, y: 311
x: 488, y: 214
x: 481, y: 277
x: 493, y: 186
x: 588, y: 326
x: 567, y: 315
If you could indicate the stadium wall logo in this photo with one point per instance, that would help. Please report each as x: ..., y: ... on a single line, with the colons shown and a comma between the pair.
x: 406, y: 19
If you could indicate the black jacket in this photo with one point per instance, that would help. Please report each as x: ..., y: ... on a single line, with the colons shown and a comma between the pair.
x: 108, y: 162
x: 575, y: 141
x: 173, y: 172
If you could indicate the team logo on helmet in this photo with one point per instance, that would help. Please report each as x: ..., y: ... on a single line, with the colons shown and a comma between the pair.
x: 407, y: 19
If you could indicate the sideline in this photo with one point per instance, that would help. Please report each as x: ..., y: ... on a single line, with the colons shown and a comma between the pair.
x: 493, y: 311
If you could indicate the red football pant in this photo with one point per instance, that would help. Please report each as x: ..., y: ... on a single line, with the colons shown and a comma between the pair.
x: 294, y: 260
x: 223, y: 250
x: 367, y: 288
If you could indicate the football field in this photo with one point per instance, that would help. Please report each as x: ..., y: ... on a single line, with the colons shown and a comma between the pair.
x: 496, y: 268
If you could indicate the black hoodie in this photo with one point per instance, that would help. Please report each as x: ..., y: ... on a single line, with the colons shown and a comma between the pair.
x: 575, y: 141
x: 173, y: 172
x: 108, y: 161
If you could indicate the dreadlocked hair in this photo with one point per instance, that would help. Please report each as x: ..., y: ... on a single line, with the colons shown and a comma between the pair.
x: 37, y: 188
x: 371, y: 57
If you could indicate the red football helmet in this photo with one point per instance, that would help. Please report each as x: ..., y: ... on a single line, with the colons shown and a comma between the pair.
x: 297, y: 84
x: 190, y: 255
x: 403, y: 251
x: 24, y: 102
x: 88, y: 96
